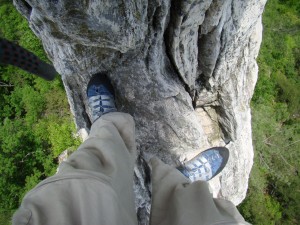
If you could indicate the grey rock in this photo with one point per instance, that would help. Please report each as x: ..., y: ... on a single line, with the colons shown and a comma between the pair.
x: 185, y: 70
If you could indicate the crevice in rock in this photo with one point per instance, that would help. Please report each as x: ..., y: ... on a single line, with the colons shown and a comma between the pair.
x: 24, y: 7
x: 232, y: 13
x: 227, y: 136
x: 84, y: 114
x: 27, y: 5
x: 186, y: 87
x: 205, y: 110
x: 166, y: 37
x: 155, y: 19
x: 194, y: 100
x: 142, y: 182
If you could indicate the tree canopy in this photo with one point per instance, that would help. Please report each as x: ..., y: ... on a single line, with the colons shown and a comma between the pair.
x: 35, y: 120
x: 273, y: 195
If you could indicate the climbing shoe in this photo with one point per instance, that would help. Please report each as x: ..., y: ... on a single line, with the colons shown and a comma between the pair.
x: 205, y: 165
x: 100, y: 95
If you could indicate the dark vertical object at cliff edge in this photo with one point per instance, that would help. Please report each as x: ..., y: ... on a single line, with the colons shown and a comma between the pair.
x: 15, y: 55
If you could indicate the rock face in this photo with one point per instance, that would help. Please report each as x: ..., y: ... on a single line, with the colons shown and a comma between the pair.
x: 185, y: 70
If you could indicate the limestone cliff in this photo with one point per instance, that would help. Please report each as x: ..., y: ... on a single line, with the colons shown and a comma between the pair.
x: 185, y: 70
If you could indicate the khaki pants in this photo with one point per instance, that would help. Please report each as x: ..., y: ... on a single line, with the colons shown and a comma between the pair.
x: 95, y: 186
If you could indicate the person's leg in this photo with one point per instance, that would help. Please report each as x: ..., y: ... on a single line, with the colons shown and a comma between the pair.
x: 95, y: 184
x: 110, y: 150
x: 176, y: 200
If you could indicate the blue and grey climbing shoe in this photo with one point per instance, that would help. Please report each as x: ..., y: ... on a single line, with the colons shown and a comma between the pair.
x: 206, y: 165
x: 100, y: 95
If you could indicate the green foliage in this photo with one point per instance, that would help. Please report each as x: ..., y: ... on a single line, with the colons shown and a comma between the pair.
x: 289, y: 92
x: 35, y: 122
x: 266, y: 211
x: 60, y: 136
x: 5, y: 217
x: 279, y: 59
x: 273, y: 194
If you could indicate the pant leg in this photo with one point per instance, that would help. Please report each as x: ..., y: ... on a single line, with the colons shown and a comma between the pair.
x: 95, y: 184
x: 176, y: 201
x: 110, y: 149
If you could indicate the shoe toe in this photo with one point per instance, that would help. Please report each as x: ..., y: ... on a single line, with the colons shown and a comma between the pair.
x: 206, y: 165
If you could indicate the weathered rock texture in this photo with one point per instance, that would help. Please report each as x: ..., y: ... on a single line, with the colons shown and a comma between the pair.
x: 184, y: 69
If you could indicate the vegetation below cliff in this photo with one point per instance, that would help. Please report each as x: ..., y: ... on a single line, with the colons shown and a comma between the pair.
x: 35, y: 120
x: 273, y: 195
x: 35, y: 123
